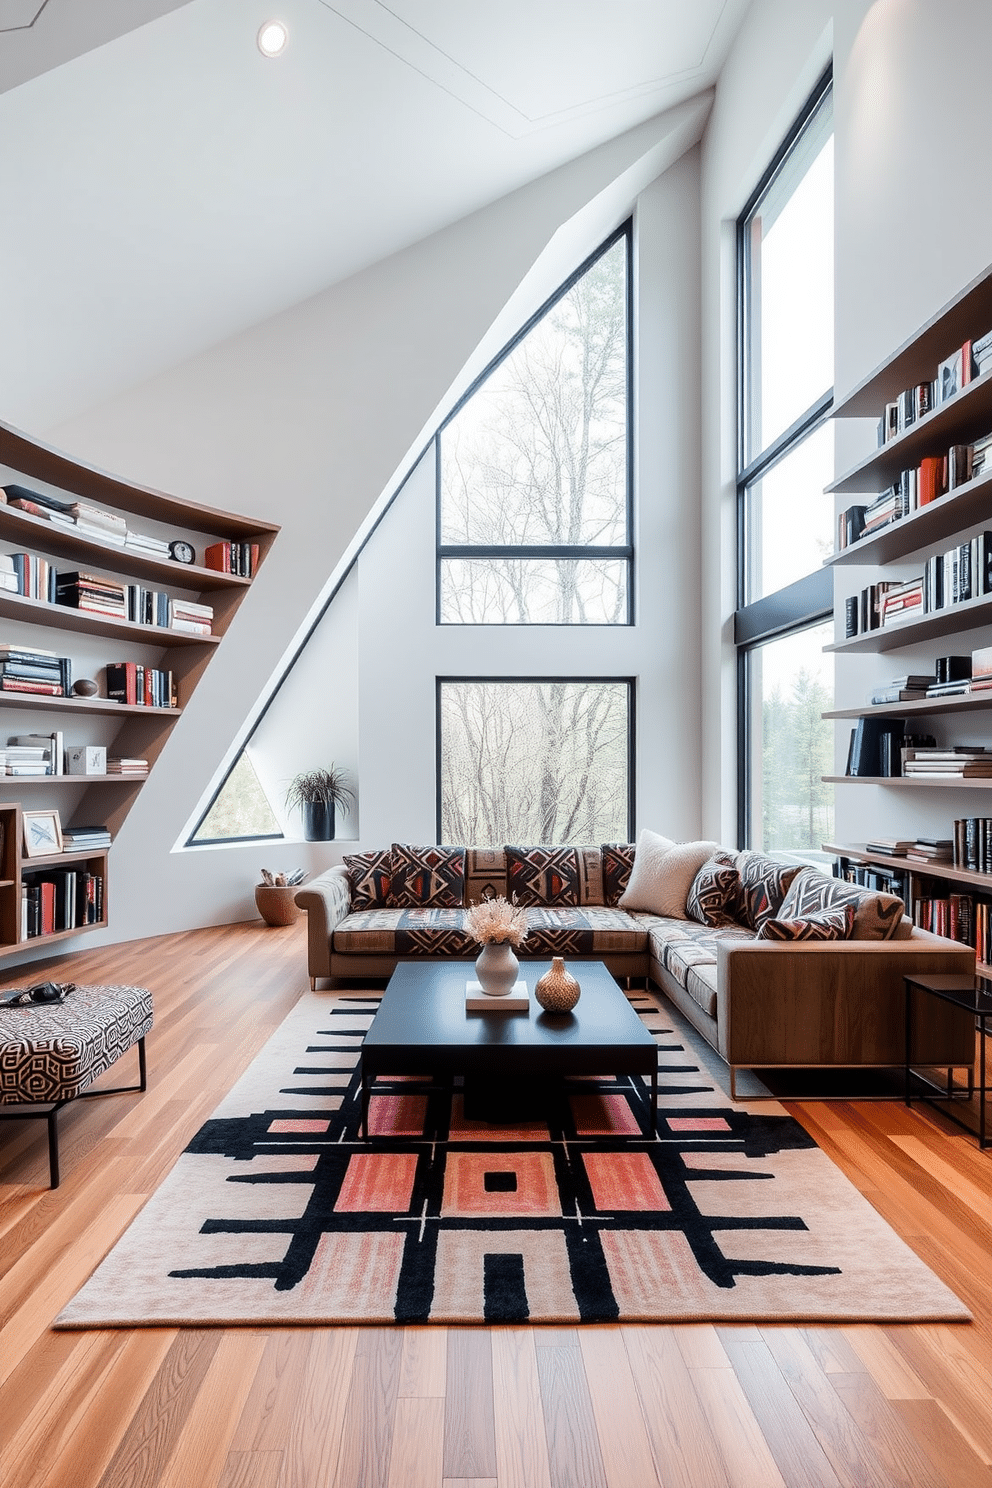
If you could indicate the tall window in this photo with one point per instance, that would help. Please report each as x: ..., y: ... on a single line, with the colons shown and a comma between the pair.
x: 534, y: 760
x: 785, y: 521
x: 534, y: 499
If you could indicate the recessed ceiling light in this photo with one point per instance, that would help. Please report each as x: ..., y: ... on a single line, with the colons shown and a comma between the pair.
x: 272, y: 38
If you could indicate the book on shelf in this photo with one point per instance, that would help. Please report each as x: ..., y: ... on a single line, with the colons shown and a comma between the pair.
x: 902, y: 602
x: 850, y: 525
x: 15, y: 493
x: 82, y: 839
x: 902, y: 689
x: 931, y: 479
x: 141, y: 686
x: 890, y: 847
x: 240, y: 558
x: 53, y: 743
x: 155, y: 547
x: 865, y: 756
x: 124, y: 766
x: 96, y: 516
x: 954, y: 373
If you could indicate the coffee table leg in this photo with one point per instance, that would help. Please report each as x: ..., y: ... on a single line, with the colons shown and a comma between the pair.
x: 654, y: 1100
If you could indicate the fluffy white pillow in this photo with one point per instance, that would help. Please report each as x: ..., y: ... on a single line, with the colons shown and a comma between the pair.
x: 662, y: 874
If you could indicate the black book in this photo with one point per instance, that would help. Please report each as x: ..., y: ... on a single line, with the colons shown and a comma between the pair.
x: 866, y: 754
x: 851, y: 606
x: 40, y: 498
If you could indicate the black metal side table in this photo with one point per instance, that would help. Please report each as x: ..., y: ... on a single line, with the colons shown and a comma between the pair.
x: 964, y: 992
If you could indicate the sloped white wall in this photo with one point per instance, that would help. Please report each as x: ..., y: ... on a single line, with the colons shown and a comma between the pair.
x: 310, y: 416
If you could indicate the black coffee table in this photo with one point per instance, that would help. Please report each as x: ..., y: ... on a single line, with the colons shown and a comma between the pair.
x: 422, y: 1028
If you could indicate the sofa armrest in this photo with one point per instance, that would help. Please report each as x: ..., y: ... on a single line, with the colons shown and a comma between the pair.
x: 326, y: 899
x: 837, y: 1002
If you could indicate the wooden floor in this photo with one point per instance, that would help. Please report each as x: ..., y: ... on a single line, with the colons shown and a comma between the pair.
x: 691, y: 1406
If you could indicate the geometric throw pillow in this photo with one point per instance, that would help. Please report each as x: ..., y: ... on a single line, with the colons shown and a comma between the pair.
x: 764, y: 883
x: 662, y: 874
x: 618, y: 860
x: 820, y: 924
x: 543, y: 876
x: 716, y: 896
x: 369, y: 876
x: 877, y: 916
x: 427, y: 877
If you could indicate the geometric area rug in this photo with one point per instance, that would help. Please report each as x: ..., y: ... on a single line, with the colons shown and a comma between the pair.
x: 277, y: 1213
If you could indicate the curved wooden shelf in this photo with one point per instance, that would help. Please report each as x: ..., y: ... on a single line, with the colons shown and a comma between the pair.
x: 37, y: 534
x: 34, y: 700
x: 64, y: 617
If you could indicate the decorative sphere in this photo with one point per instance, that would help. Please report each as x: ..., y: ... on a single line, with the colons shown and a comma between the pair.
x: 85, y: 687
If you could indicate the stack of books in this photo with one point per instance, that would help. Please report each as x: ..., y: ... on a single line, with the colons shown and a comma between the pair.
x: 140, y: 542
x: 973, y: 843
x: 196, y: 619
x: 903, y: 601
x: 124, y: 766
x: 147, y: 606
x: 106, y: 527
x: 903, y: 689
x: 53, y: 744
x: 981, y: 669
x: 40, y: 504
x: 8, y: 578
x: 933, y: 850
x: 35, y: 576
x: 92, y: 593
x: 232, y: 557
x: 34, y: 671
x: 25, y: 759
x: 890, y: 847
x: 84, y: 839
x: 956, y: 763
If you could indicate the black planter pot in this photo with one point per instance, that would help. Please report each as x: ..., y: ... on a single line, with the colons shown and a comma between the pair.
x: 318, y: 821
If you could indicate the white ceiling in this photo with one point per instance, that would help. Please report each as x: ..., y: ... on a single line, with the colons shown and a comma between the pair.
x: 166, y: 186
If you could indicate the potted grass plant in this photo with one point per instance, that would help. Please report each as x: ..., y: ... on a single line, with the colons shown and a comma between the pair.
x: 317, y: 794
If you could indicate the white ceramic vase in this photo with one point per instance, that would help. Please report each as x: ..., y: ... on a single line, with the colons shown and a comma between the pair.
x: 496, y: 968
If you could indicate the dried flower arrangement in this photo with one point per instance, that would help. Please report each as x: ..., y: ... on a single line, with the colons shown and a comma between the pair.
x: 495, y: 921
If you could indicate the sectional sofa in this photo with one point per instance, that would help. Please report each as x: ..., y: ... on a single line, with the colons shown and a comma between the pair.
x: 777, y: 965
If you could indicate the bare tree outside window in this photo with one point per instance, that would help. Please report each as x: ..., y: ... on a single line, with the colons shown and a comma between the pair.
x: 534, y: 761
x: 534, y: 506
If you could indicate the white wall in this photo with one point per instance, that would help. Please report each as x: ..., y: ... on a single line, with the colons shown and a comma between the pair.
x: 310, y: 417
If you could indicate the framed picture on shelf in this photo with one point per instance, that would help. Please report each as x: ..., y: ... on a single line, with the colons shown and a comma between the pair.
x: 42, y: 833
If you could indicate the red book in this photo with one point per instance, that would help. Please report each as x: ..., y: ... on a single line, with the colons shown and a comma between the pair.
x: 931, y: 479
x: 47, y: 908
x: 218, y: 557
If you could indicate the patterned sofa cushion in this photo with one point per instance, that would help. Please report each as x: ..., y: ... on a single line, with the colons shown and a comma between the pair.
x: 618, y: 860
x: 555, y: 877
x: 592, y: 930
x: 485, y: 873
x: 764, y: 883
x: 717, y: 895
x: 819, y: 924
x: 52, y: 1051
x: 877, y: 916
x: 370, y: 877
x: 427, y: 877
x: 687, y: 951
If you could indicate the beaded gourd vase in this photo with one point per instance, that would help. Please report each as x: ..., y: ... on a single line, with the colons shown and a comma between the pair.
x: 557, y: 990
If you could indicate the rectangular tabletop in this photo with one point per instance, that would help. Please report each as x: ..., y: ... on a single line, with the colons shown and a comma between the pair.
x: 422, y: 1027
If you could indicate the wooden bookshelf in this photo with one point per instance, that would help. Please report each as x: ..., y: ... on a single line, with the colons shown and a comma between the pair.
x: 964, y: 702
x: 973, y: 614
x: 907, y: 781
x: 939, y: 521
x: 142, y: 731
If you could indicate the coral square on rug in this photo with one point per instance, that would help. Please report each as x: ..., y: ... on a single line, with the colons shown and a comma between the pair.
x: 278, y: 1212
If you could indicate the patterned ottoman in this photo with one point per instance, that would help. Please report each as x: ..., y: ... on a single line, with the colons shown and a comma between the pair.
x: 51, y: 1052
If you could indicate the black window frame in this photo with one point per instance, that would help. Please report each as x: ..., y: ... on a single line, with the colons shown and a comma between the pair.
x: 627, y: 681
x: 619, y: 552
x: 809, y: 600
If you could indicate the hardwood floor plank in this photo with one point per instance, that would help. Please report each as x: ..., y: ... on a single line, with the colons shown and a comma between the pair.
x: 682, y: 1441
x: 252, y: 1470
x: 947, y: 1448
x: 418, y: 1442
x: 905, y: 1462
x: 887, y: 1367
x: 204, y: 1439
x: 801, y: 1459
x: 521, y: 1444
x: 424, y: 1366
x: 366, y: 1441
x: 747, y: 1457
x: 624, y: 1442
x: 700, y: 1346
x: 574, y: 1455
x: 322, y: 1395
x: 151, y: 1435
x: 469, y: 1418
x: 265, y: 1421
